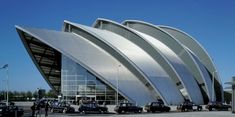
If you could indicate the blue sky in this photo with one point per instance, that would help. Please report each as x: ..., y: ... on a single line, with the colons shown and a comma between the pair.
x: 211, y: 22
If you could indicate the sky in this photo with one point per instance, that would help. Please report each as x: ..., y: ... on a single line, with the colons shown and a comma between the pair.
x: 210, y: 22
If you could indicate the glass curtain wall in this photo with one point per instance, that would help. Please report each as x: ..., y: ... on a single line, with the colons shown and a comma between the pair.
x: 77, y: 83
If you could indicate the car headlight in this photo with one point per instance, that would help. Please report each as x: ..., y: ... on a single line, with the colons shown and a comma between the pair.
x: 0, y: 110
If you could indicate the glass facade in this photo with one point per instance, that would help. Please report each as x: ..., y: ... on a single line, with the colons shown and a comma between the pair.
x: 77, y: 83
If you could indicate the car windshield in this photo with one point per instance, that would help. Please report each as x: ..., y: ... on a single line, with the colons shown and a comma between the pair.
x: 126, y: 104
x: 214, y: 103
x: 155, y: 104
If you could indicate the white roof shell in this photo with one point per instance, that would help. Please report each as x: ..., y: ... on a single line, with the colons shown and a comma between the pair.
x: 158, y: 66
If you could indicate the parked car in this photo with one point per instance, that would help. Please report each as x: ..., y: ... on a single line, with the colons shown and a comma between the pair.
x: 92, y: 107
x: 217, y: 106
x: 189, y: 106
x: 3, y: 108
x: 128, y: 107
x: 62, y: 107
x: 10, y: 111
x: 156, y: 106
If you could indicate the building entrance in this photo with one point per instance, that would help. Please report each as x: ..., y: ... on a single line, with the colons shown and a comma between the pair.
x: 86, y: 98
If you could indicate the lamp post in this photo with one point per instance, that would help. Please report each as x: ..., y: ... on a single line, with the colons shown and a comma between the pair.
x: 233, y: 93
x: 117, y: 84
x: 7, y: 79
x: 66, y: 83
x: 63, y: 83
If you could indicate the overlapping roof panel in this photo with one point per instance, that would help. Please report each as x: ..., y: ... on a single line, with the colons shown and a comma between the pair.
x: 152, y: 60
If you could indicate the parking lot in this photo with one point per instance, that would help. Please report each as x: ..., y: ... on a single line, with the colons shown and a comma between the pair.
x: 172, y: 113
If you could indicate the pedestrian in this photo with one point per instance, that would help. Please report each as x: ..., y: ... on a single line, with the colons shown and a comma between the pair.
x: 38, y: 110
x: 33, y: 109
x: 46, y: 109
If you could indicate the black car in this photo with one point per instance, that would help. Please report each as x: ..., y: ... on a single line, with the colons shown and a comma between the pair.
x: 3, y: 108
x: 156, y: 106
x: 217, y: 106
x: 10, y: 111
x: 128, y: 107
x: 62, y: 107
x: 189, y: 106
x: 92, y: 107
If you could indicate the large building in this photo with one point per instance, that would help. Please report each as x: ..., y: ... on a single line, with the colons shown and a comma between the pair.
x: 134, y: 61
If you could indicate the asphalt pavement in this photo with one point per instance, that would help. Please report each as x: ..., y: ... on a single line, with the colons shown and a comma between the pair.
x: 173, y: 113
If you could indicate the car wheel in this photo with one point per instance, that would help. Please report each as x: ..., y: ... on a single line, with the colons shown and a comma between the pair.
x: 64, y: 110
x: 210, y: 109
x: 52, y: 110
x: 199, y: 109
x: 119, y: 112
x: 81, y: 111
x: 100, y: 111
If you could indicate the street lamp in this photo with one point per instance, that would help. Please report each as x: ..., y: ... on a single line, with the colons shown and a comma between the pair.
x: 64, y: 74
x: 213, y: 85
x: 63, y: 78
x: 233, y: 93
x: 7, y: 78
x: 117, y: 84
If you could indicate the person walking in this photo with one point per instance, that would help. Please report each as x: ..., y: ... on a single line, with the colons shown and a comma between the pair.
x: 46, y: 109
x: 33, y: 109
x: 38, y: 110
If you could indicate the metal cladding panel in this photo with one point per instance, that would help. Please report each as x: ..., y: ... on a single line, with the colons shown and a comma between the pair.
x: 154, y: 72
x: 194, y: 46
x: 197, y: 49
x: 185, y: 76
x: 97, y: 61
x: 207, y: 80
x: 46, y: 59
x: 177, y: 47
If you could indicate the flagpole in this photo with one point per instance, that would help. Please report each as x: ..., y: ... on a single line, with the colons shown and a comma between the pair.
x: 7, y: 84
x: 7, y: 79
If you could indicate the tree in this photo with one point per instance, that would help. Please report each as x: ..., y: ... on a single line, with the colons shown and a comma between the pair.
x: 29, y: 94
x: 51, y: 94
x: 35, y: 94
x: 22, y: 94
x: 11, y: 95
x: 2, y: 95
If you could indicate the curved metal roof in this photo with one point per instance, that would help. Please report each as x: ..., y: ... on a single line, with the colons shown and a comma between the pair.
x: 194, y: 46
x: 46, y: 59
x: 191, y: 82
x: 105, y: 69
x: 196, y: 49
x: 178, y: 49
x: 140, y: 60
x: 161, y: 62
